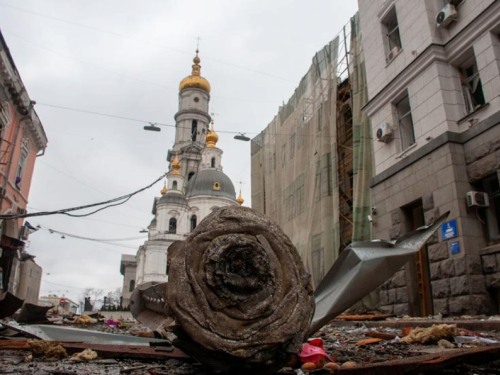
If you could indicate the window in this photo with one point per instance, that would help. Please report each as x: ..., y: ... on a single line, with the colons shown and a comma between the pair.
x: 324, y: 177
x: 194, y: 130
x: 25, y: 150
x: 212, y: 163
x: 472, y: 88
x: 283, y: 155
x: 193, y: 222
x: 174, y: 185
x: 293, y: 198
x: 391, y: 29
x: 131, y: 286
x: 405, y: 121
x: 172, y: 226
x: 190, y: 175
x: 292, y: 146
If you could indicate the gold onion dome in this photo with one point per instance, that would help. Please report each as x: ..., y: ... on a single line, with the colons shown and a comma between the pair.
x: 164, y: 190
x: 195, y: 80
x: 175, y: 165
x: 240, y: 199
x: 212, y: 136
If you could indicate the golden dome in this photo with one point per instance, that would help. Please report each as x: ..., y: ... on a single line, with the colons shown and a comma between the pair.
x: 164, y: 190
x: 240, y: 199
x: 175, y: 165
x: 195, y: 80
x: 212, y: 136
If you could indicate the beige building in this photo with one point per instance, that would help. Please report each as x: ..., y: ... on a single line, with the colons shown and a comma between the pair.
x: 61, y: 305
x: 30, y: 279
x: 433, y: 76
x: 128, y: 267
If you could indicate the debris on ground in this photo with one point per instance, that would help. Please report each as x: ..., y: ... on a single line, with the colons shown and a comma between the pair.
x: 84, y: 319
x: 432, y: 334
x: 86, y: 355
x: 49, y: 349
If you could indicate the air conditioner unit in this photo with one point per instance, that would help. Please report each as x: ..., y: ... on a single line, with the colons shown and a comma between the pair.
x: 24, y: 232
x: 384, y: 133
x: 477, y: 199
x: 394, y: 52
x: 447, y: 15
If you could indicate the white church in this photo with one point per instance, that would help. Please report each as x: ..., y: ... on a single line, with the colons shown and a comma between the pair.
x: 195, y: 186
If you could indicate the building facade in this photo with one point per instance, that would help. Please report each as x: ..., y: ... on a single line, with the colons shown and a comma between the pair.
x: 433, y: 77
x: 195, y: 185
x: 60, y: 305
x: 128, y: 269
x: 22, y: 139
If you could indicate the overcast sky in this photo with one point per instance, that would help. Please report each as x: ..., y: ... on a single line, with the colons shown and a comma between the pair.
x: 126, y: 58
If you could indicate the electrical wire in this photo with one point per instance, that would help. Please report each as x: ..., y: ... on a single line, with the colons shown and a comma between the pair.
x: 65, y: 211
x: 174, y: 126
x: 93, y: 239
x: 85, y: 184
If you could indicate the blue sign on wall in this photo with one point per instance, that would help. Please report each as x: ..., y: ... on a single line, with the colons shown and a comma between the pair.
x: 455, y: 247
x: 449, y: 230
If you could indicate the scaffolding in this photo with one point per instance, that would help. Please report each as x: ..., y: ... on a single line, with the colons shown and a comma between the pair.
x: 305, y: 164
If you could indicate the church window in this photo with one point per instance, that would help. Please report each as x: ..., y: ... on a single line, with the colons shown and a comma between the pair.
x: 194, y: 130
x: 172, y: 225
x: 216, y: 185
x: 193, y: 222
x: 196, y: 99
x: 190, y: 175
x: 174, y: 185
x: 212, y: 163
x: 131, y: 286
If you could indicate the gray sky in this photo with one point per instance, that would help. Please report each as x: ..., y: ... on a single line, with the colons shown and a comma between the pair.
x: 126, y: 58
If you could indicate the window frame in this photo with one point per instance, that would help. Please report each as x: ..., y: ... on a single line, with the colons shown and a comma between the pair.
x: 405, y: 129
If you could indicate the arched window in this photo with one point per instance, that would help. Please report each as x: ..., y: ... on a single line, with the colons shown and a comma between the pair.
x: 190, y: 175
x: 131, y: 286
x: 172, y: 225
x: 212, y: 163
x: 174, y: 185
x: 193, y: 222
x: 194, y: 130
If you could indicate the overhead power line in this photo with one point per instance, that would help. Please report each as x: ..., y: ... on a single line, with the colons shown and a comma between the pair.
x: 173, y: 126
x: 109, y: 203
x: 125, y: 118
x: 95, y: 239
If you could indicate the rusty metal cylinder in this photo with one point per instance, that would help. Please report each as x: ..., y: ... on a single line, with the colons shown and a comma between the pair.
x: 240, y: 293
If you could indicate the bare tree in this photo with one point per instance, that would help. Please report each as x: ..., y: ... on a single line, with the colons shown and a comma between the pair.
x: 92, y: 293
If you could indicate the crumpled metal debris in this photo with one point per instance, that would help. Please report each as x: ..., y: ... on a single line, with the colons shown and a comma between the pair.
x: 33, y: 314
x: 66, y: 334
x: 241, y: 298
x: 361, y: 268
x: 9, y: 304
